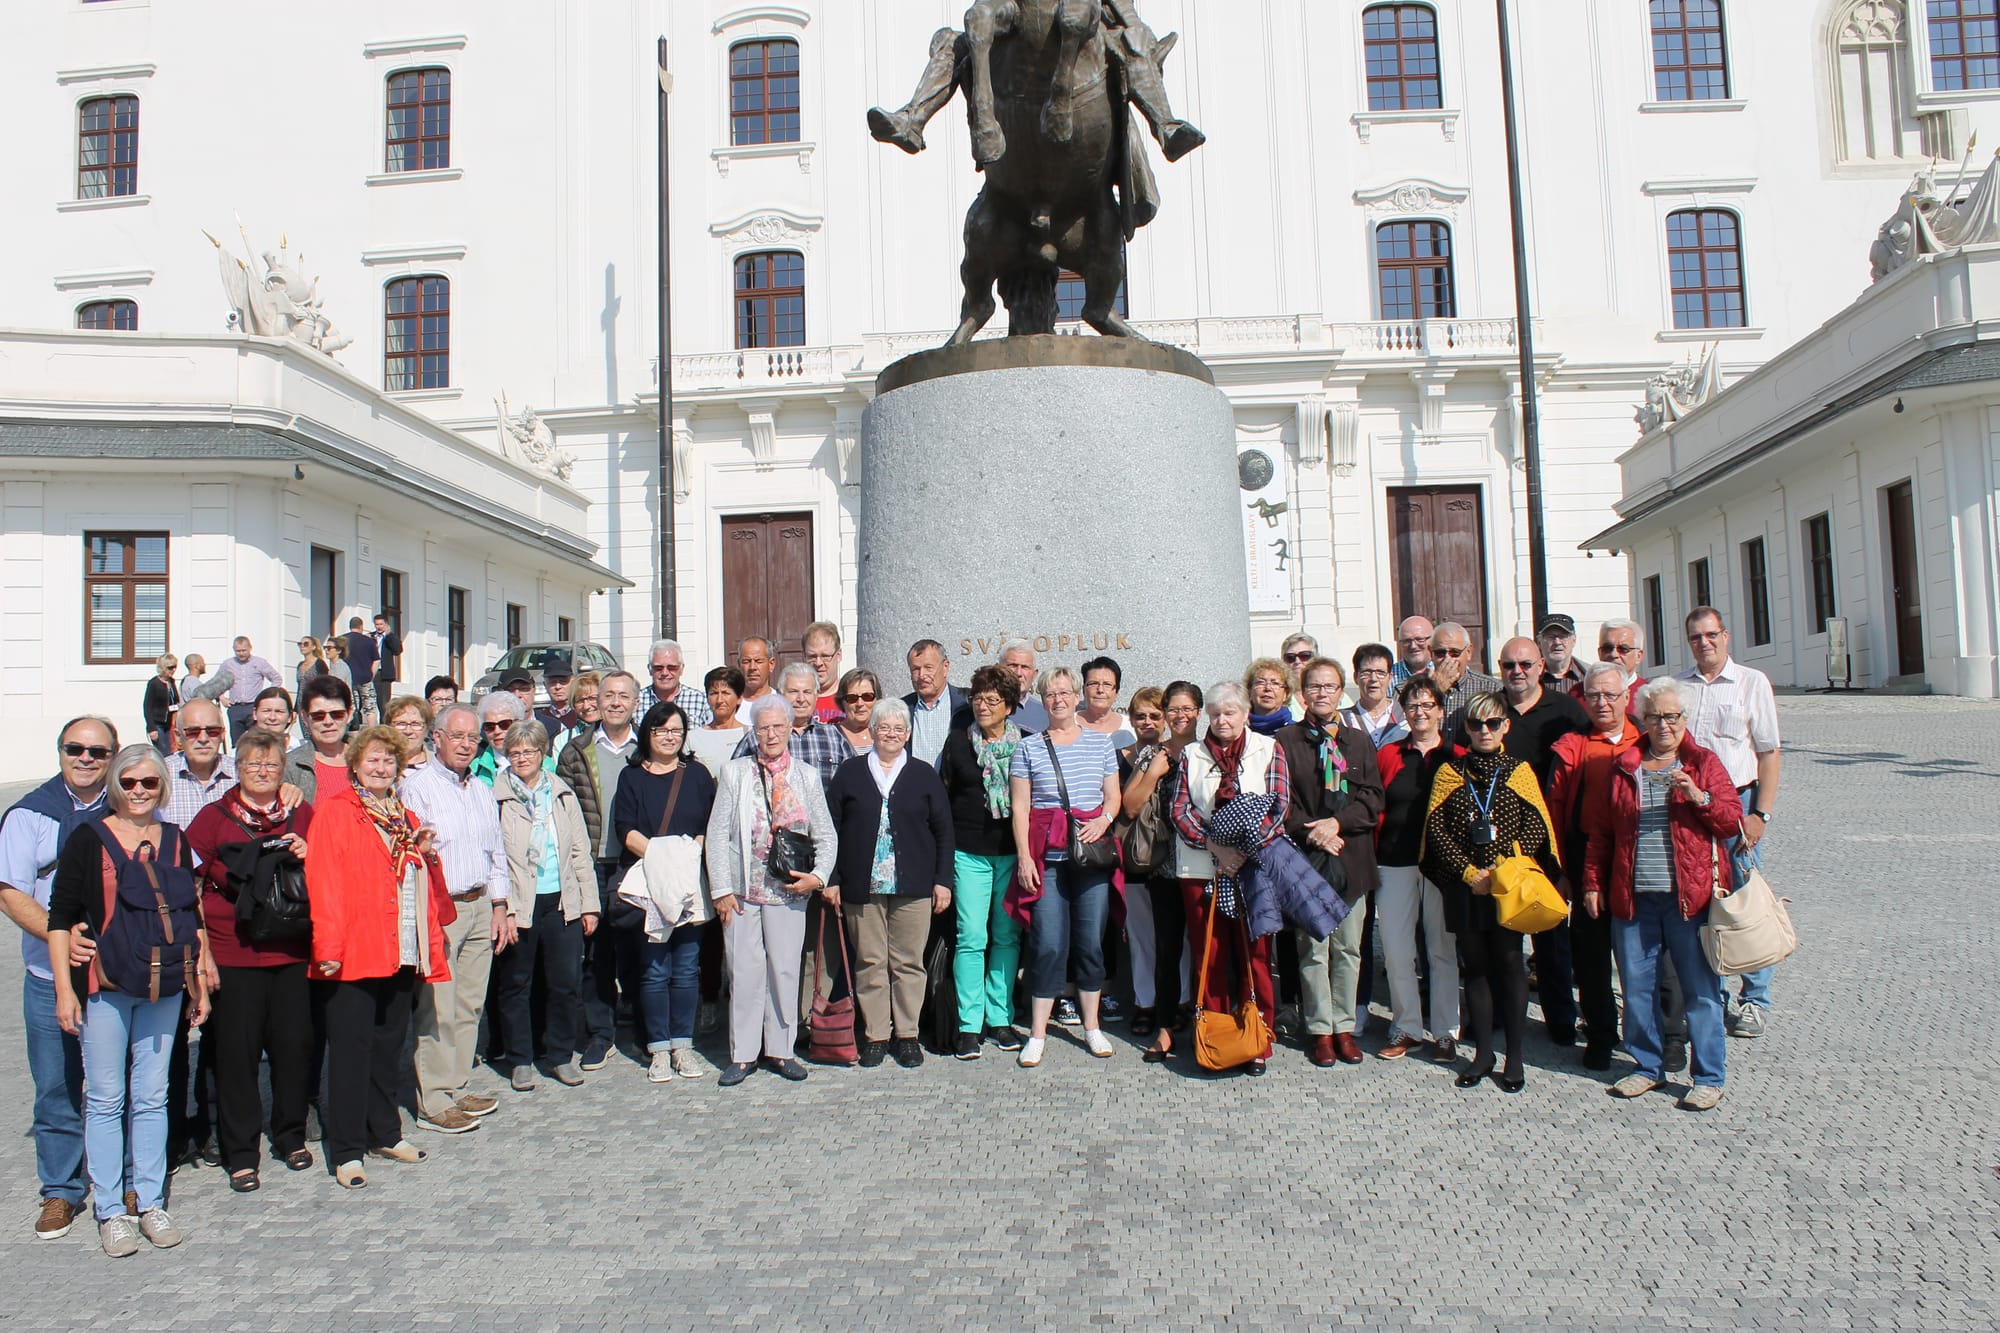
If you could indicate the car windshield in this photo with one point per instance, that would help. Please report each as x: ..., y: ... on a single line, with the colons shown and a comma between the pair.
x: 530, y: 656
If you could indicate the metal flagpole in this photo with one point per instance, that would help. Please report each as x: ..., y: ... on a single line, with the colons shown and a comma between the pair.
x: 1531, y: 444
x: 669, y: 611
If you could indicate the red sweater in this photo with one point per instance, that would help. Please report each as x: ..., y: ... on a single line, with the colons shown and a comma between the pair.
x: 352, y: 885
x: 1695, y: 832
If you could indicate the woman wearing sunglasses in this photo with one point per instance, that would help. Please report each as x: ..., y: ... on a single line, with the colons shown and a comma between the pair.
x: 858, y: 690
x: 1482, y: 804
x: 127, y: 1032
x: 326, y: 706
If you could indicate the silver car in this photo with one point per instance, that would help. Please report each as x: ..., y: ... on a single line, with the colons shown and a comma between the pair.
x: 582, y: 657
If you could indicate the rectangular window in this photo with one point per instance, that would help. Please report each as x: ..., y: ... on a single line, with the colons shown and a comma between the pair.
x: 455, y: 600
x: 1399, y: 43
x: 1757, y: 586
x: 390, y: 604
x: 1819, y: 570
x: 1656, y: 622
x: 107, y: 148
x: 1688, y: 60
x: 565, y: 629
x: 1965, y: 44
x: 1413, y: 270
x: 1069, y: 297
x: 764, y: 92
x: 124, y: 596
x: 416, y: 341
x: 1698, y: 586
x: 1705, y: 268
x: 771, y: 299
x: 419, y: 128
x: 517, y: 617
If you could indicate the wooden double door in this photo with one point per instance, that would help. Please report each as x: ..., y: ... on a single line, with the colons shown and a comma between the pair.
x: 767, y: 582
x: 1437, y: 558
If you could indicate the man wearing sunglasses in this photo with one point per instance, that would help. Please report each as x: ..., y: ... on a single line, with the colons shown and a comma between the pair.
x: 1623, y: 644
x: 31, y: 834
x: 1452, y: 672
x: 199, y: 771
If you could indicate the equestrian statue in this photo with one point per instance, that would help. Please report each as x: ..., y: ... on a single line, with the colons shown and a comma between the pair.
x: 1049, y: 86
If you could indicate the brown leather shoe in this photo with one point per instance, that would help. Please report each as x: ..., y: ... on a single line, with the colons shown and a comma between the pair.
x: 1398, y: 1048
x: 56, y: 1217
x: 1347, y: 1048
x: 478, y: 1104
x: 1322, y: 1052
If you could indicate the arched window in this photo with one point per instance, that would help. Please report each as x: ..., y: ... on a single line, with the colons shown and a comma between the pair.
x: 121, y: 315
x: 1400, y: 45
x: 1705, y: 268
x: 764, y: 92
x: 1965, y: 44
x: 416, y: 333
x: 771, y: 299
x: 1871, y: 69
x: 1413, y: 270
x: 419, y: 124
x: 1689, y: 64
x: 107, y: 147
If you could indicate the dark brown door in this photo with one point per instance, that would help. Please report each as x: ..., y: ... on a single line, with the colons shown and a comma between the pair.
x: 767, y: 581
x: 1437, y: 558
x: 1904, y: 592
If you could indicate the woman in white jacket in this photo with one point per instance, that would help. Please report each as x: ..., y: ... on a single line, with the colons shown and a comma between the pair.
x: 764, y: 919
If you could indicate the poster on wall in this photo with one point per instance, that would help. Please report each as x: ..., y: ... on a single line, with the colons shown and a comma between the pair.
x: 1267, y: 526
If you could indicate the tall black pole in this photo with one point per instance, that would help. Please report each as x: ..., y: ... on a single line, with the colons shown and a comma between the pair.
x: 669, y: 610
x: 1524, y: 335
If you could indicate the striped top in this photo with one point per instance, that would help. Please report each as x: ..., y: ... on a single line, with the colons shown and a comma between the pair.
x: 1653, y: 857
x: 1086, y: 762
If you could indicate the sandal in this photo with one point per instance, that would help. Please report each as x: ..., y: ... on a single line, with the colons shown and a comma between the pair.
x: 299, y: 1159
x: 1159, y: 1055
x: 1143, y: 1024
x: 349, y: 1176
x: 245, y: 1181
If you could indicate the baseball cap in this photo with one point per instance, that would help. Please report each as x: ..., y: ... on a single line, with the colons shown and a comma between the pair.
x: 1557, y: 620
x: 516, y: 676
x: 556, y: 664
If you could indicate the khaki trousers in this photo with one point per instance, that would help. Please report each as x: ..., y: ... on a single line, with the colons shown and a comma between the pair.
x: 889, y: 938
x: 1330, y: 974
x: 448, y: 1012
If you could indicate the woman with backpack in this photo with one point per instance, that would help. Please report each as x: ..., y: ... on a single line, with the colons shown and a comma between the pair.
x: 252, y: 852
x: 126, y: 1004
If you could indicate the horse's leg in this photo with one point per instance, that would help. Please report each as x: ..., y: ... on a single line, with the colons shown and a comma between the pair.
x: 986, y: 20
x: 1103, y: 272
x: 1146, y: 90
x: 978, y: 270
x: 1077, y: 21
x: 905, y: 128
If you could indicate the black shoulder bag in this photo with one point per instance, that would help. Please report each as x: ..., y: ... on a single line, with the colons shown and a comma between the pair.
x: 791, y: 850
x: 1099, y: 855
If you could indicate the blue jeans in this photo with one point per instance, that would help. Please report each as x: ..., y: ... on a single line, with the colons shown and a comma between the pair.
x: 55, y: 1063
x: 1657, y: 926
x: 1066, y: 932
x: 670, y: 988
x: 123, y: 1036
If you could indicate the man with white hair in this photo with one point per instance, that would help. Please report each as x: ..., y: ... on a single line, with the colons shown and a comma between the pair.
x: 1017, y: 656
x: 817, y: 743
x: 664, y: 664
x: 1451, y: 671
x: 1622, y: 643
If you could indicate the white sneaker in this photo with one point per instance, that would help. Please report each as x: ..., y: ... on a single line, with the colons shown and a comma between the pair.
x: 689, y: 1065
x: 1031, y: 1052
x: 662, y: 1068
x: 157, y: 1227
x: 119, y: 1235
x: 1099, y: 1044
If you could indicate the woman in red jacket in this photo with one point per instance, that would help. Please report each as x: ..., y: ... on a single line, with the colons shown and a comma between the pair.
x: 378, y: 909
x: 1657, y: 855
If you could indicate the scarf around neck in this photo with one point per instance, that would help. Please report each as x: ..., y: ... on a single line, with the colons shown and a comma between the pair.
x: 1269, y: 724
x: 392, y: 821
x: 1332, y: 763
x: 1228, y: 762
x: 995, y: 763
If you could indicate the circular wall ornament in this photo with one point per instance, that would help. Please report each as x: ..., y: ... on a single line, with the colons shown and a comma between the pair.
x: 1254, y: 469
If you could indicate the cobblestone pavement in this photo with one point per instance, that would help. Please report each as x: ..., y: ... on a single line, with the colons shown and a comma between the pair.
x: 1848, y: 1179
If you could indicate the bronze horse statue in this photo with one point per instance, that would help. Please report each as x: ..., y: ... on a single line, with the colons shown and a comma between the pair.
x: 1047, y: 84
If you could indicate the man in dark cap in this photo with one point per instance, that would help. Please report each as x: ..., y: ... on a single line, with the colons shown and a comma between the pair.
x: 1556, y: 636
x: 558, y: 716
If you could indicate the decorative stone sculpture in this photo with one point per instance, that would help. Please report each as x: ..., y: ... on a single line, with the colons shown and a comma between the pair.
x: 1927, y: 223
x: 1047, y: 83
x: 283, y: 303
x: 533, y: 441
x: 1673, y: 394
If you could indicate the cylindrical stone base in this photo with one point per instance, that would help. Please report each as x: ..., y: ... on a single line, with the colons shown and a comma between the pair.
x: 1087, y: 507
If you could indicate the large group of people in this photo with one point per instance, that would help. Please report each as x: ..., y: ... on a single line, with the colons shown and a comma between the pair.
x: 787, y: 847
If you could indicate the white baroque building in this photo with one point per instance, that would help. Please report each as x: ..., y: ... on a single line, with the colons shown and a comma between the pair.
x: 467, y: 193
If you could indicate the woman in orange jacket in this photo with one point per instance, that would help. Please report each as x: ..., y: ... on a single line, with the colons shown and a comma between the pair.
x: 379, y: 907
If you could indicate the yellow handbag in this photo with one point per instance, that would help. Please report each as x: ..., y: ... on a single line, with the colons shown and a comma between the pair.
x: 1524, y: 898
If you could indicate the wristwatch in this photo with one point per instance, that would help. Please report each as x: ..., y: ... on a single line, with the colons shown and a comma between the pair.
x: 1763, y: 815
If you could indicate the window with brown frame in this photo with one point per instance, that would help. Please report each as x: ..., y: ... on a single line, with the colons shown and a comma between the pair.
x: 419, y: 124
x: 107, y: 148
x: 1400, y: 45
x: 1699, y: 589
x: 517, y: 619
x: 565, y: 629
x: 124, y: 596
x: 120, y: 315
x: 1413, y: 270
x: 390, y: 604
x: 1705, y: 268
x: 764, y: 92
x: 771, y: 299
x: 1689, y: 61
x: 416, y: 342
x: 455, y: 602
x: 1819, y: 570
x: 1965, y: 44
x: 1656, y: 622
x: 1757, y: 585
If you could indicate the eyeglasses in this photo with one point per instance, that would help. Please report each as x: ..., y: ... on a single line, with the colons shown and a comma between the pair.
x: 1183, y: 712
x: 1707, y: 636
x: 461, y: 737
x: 1423, y: 708
x: 1602, y: 696
x: 98, y: 752
x: 1618, y: 649
x: 1299, y: 657
x: 662, y: 668
x: 1518, y: 666
x: 821, y: 657
x: 139, y: 784
x: 258, y: 766
x: 862, y: 698
x: 1664, y: 719
x: 1371, y: 673
x: 325, y: 715
x: 1060, y: 694
x: 1452, y: 652
x: 500, y: 725
x: 206, y: 733
x: 1322, y: 687
x: 1485, y: 723
x: 987, y: 701
x: 674, y: 732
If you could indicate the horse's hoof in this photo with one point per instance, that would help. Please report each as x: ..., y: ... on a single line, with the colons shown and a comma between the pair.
x: 1184, y: 139
x: 894, y: 129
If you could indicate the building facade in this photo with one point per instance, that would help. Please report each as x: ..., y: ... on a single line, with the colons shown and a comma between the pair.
x: 473, y: 189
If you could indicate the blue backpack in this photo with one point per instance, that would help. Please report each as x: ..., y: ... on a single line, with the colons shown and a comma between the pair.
x: 152, y: 911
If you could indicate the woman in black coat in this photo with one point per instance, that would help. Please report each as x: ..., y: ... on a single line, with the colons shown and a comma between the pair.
x: 162, y: 701
x: 893, y: 871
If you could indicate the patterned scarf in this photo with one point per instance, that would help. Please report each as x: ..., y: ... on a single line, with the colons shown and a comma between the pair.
x: 1332, y: 763
x: 393, y: 822
x: 1228, y: 762
x: 782, y: 808
x: 258, y: 821
x: 540, y: 802
x: 995, y: 760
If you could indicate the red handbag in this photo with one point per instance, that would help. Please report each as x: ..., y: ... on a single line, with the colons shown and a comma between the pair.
x: 830, y: 1026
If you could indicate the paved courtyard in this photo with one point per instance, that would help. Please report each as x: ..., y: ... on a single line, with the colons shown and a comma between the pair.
x: 1848, y: 1179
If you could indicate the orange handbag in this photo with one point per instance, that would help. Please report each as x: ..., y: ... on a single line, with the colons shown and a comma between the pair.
x: 1225, y: 1040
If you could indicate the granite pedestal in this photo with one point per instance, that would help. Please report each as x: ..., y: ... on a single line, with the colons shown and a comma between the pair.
x: 1078, y: 492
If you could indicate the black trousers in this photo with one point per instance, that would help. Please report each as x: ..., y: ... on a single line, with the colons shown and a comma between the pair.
x: 1590, y: 953
x: 555, y: 948
x: 1496, y: 977
x: 1554, y: 975
x: 1169, y: 943
x: 260, y: 1011
x: 610, y: 963
x: 367, y: 1032
x: 185, y: 1129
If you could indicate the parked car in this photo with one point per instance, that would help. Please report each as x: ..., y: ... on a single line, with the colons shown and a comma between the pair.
x: 582, y: 657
